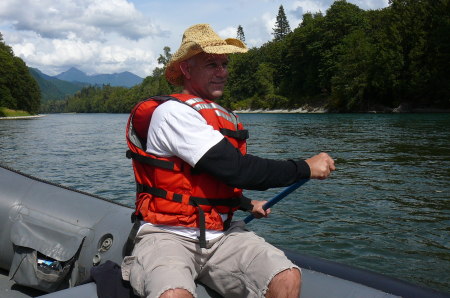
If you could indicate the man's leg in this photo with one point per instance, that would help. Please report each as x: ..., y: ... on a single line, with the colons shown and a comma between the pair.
x: 242, y: 264
x: 287, y: 283
x: 161, y: 264
x: 176, y: 293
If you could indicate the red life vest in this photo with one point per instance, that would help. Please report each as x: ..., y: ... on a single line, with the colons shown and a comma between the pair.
x: 168, y: 191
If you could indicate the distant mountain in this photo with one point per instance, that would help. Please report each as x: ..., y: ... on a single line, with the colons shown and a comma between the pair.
x: 124, y: 79
x: 73, y: 75
x: 53, y: 88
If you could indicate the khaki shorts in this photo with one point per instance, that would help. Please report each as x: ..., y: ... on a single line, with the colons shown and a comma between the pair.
x: 237, y: 264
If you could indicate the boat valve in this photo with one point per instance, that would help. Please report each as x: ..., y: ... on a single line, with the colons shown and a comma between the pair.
x: 97, y: 259
x: 104, y: 244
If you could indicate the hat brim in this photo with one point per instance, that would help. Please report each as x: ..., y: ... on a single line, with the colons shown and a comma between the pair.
x: 173, y: 72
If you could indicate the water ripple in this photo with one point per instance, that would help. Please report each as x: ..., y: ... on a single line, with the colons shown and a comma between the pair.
x: 386, y: 208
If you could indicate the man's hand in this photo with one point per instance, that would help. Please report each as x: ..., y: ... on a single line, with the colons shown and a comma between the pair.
x: 258, y: 211
x: 321, y: 166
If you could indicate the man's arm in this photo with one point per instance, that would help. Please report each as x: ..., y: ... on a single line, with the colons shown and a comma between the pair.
x: 193, y: 140
x: 248, y: 171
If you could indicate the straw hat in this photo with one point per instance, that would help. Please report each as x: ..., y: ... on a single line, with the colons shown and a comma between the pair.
x: 196, y: 39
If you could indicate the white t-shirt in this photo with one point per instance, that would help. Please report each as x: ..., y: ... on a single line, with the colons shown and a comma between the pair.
x: 189, y: 137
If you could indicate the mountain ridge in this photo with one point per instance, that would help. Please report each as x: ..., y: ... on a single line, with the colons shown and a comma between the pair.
x: 52, y: 88
x: 69, y: 82
x: 122, y: 79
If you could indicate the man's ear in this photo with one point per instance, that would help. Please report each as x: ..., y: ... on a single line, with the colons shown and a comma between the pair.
x: 185, y: 70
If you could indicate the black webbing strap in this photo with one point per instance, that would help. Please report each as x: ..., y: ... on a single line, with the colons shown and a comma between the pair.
x: 129, y: 245
x: 158, y: 192
x: 235, y: 134
x: 168, y: 165
x: 202, y: 225
x: 194, y: 201
x: 227, y: 222
x: 164, y: 98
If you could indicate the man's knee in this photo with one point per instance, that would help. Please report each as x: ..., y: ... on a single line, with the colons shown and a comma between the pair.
x: 178, y: 293
x: 287, y: 283
x: 291, y: 276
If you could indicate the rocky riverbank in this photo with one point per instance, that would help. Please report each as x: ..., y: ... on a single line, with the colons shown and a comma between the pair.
x: 402, y: 108
x: 22, y: 117
x: 302, y: 110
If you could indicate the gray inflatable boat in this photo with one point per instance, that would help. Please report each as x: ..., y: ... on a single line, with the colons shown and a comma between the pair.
x: 51, y: 237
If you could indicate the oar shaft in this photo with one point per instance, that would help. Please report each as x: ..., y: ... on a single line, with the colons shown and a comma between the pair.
x: 278, y: 198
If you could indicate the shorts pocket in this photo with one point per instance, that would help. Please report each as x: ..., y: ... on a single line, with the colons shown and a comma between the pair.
x: 133, y: 272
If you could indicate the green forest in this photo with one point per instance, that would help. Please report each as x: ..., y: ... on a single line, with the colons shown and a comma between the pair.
x: 352, y: 60
x: 345, y: 60
x: 18, y: 89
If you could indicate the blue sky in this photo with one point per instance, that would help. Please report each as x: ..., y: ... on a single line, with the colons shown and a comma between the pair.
x: 109, y: 36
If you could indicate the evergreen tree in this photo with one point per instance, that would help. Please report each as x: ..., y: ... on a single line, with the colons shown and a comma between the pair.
x: 240, y: 33
x: 282, y: 27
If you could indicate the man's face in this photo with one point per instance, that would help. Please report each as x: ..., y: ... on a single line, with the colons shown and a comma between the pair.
x: 206, y: 75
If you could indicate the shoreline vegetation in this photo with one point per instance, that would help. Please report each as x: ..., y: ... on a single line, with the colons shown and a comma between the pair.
x: 346, y: 60
x: 9, y: 114
x: 5, y: 112
x: 323, y: 110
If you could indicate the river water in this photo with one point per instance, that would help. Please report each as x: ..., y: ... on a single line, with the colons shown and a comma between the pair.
x: 386, y: 208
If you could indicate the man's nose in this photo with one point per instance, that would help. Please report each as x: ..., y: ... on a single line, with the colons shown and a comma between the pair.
x: 221, y: 70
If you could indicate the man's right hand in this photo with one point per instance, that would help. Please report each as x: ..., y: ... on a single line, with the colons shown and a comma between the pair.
x: 321, y: 166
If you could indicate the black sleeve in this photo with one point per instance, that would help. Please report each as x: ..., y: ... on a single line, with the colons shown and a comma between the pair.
x: 226, y: 163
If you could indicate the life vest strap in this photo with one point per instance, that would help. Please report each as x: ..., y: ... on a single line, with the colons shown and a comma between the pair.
x: 168, y: 165
x: 202, y: 225
x: 194, y: 201
x: 235, y: 134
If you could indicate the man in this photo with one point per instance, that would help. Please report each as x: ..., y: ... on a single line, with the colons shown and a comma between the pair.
x: 190, y: 167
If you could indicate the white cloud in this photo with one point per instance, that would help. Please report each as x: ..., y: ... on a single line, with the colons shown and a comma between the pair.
x: 88, y: 20
x: 104, y: 36
x: 299, y: 8
x: 120, y: 17
x: 95, y: 36
x: 269, y: 22
x: 53, y: 56
x: 25, y: 50
x: 370, y: 4
x: 310, y: 6
x: 228, y: 32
